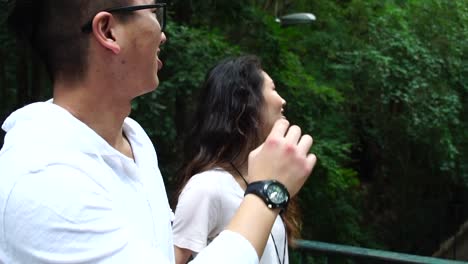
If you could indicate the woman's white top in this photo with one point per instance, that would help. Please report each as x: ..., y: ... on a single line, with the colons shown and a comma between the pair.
x: 205, y: 207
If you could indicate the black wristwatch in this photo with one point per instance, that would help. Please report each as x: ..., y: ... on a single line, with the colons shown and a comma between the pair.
x: 272, y: 192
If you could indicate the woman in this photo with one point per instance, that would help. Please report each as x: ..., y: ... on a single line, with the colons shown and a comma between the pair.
x: 237, y: 108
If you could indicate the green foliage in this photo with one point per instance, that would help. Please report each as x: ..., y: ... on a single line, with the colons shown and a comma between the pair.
x: 315, y: 107
x: 187, y: 56
x: 405, y: 92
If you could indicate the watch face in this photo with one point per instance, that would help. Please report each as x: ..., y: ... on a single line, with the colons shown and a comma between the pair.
x: 276, y: 194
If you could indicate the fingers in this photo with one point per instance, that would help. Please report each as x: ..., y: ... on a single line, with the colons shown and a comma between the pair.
x: 279, y: 128
x: 311, y: 161
x: 284, y: 157
x: 304, y: 145
x: 293, y: 135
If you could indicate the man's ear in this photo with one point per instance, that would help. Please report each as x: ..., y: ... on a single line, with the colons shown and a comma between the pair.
x: 104, y: 31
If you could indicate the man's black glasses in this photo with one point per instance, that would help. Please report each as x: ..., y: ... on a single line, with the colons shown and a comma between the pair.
x: 159, y: 11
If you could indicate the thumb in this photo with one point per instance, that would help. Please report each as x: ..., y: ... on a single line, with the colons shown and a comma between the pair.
x: 255, y: 152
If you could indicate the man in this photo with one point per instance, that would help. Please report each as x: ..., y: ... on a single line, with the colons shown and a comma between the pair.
x: 79, y: 180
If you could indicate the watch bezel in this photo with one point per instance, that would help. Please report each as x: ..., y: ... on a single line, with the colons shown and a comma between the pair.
x: 281, y: 187
x: 260, y: 188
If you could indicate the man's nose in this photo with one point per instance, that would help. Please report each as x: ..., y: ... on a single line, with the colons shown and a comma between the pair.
x: 163, y: 38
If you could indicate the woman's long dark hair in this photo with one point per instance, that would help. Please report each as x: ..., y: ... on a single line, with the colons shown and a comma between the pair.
x: 227, y: 124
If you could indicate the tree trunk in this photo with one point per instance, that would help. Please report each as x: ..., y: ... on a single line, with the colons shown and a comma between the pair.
x: 22, y: 76
x: 37, y: 80
x: 3, y: 95
x: 3, y: 88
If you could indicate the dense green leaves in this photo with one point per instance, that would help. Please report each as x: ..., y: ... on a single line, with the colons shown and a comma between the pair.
x: 188, y: 54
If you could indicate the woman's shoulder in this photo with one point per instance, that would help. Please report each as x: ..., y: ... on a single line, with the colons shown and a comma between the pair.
x: 215, y: 175
x: 215, y: 179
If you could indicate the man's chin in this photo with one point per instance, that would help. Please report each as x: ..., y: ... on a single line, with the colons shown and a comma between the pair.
x: 150, y: 89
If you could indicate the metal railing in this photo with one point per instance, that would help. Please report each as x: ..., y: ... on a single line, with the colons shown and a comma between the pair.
x: 316, y: 248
